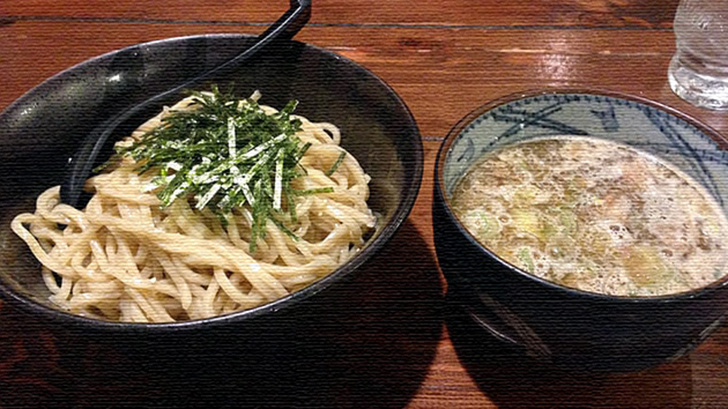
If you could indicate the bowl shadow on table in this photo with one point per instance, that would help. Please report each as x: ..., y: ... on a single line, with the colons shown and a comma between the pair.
x: 366, y: 343
x: 514, y: 380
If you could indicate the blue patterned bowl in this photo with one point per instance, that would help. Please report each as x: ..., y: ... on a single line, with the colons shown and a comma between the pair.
x: 553, y: 323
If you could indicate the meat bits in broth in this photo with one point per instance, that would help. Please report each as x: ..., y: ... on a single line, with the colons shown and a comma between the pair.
x: 594, y: 215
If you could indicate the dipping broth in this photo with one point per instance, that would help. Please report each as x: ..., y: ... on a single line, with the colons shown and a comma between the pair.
x: 594, y: 215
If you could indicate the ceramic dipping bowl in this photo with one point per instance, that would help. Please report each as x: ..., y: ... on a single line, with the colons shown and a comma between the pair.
x: 553, y: 323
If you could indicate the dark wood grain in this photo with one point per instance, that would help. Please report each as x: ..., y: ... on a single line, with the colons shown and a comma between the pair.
x: 428, y: 14
x: 441, y: 74
x: 444, y: 59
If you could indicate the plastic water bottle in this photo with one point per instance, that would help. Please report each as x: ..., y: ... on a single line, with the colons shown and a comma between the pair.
x: 698, y: 72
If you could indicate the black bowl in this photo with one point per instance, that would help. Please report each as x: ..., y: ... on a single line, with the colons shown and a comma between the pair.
x: 39, y: 132
x: 563, y: 326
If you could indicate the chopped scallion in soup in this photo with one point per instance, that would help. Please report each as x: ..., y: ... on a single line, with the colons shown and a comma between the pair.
x: 594, y: 215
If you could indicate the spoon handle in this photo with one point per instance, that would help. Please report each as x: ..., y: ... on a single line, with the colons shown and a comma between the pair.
x: 81, y: 164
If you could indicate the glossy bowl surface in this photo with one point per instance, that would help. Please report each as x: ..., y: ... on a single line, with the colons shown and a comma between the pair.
x: 39, y: 132
x: 554, y: 323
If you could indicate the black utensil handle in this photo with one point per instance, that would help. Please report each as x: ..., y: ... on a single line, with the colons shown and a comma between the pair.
x: 80, y: 165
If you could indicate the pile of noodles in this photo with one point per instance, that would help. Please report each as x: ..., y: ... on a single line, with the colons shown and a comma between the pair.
x: 124, y: 259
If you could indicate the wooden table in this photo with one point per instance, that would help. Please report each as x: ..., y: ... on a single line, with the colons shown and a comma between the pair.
x: 444, y: 58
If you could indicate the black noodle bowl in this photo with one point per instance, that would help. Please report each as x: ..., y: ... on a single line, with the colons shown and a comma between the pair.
x: 43, y: 128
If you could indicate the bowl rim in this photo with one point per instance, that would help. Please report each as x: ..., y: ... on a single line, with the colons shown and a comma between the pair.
x: 457, y: 129
x: 399, y: 215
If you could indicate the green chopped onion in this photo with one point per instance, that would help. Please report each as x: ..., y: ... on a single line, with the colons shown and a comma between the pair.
x: 285, y: 229
x: 525, y: 256
x: 315, y: 191
x: 224, y: 154
x: 336, y: 164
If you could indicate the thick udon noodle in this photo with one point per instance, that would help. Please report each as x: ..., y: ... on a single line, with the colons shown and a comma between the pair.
x: 123, y: 258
